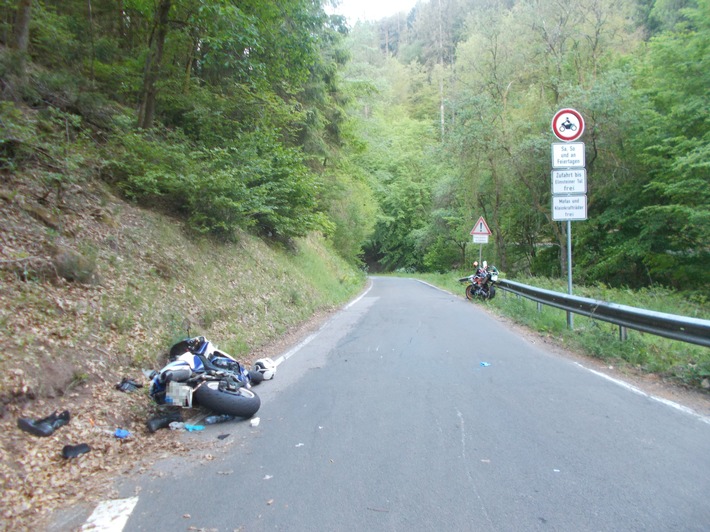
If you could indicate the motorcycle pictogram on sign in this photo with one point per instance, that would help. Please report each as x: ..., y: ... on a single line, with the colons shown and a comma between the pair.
x: 567, y: 125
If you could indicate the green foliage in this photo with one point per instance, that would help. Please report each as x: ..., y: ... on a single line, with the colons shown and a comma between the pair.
x: 393, y: 141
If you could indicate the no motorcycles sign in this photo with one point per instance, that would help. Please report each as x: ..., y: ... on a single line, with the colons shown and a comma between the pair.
x: 567, y: 125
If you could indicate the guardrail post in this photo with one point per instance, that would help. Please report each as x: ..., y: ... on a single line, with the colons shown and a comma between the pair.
x: 623, y: 333
x: 539, y: 306
x: 679, y: 328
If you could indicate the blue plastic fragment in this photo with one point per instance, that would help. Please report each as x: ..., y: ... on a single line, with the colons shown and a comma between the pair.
x: 122, y: 433
x: 485, y: 364
x: 194, y: 428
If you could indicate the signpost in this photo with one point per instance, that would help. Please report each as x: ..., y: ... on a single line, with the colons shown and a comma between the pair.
x: 568, y: 155
x: 567, y: 125
x: 480, y: 233
x: 568, y: 179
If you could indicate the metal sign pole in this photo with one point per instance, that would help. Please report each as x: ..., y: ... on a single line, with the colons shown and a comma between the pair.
x: 570, y: 316
x: 569, y: 178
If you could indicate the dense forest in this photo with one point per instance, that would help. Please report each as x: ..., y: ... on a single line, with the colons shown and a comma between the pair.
x: 389, y: 137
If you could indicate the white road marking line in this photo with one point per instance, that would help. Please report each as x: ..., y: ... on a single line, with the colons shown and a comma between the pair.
x: 638, y: 391
x: 288, y: 354
x: 111, y: 516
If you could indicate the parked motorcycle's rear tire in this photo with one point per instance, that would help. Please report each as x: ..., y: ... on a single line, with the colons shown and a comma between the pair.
x: 239, y: 403
x: 469, y: 292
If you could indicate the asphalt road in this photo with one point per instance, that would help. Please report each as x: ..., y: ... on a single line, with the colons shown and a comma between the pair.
x: 388, y: 420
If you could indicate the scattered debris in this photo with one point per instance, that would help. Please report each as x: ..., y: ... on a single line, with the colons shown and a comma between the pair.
x: 46, y: 426
x: 72, y: 451
x: 128, y: 385
x: 254, y: 422
x: 485, y: 364
x: 212, y: 420
x: 122, y: 434
x: 163, y: 421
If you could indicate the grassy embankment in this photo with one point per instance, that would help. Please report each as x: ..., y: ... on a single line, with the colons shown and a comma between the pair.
x: 685, y: 363
x: 145, y: 276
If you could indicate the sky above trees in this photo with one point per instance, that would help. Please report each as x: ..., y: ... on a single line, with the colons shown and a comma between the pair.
x: 356, y: 10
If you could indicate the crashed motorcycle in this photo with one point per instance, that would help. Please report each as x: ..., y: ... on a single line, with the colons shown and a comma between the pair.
x: 481, y: 285
x: 199, y: 372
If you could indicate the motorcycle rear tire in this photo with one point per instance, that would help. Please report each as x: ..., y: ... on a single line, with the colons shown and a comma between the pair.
x: 469, y: 292
x: 239, y: 403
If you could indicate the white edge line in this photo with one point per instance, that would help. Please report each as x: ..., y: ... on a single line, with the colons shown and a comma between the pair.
x: 626, y: 385
x: 110, y: 516
x: 638, y: 391
x: 288, y: 354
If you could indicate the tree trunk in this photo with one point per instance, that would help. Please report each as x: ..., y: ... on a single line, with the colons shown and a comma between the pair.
x: 22, y: 25
x: 441, y: 79
x: 22, y: 33
x: 152, y: 65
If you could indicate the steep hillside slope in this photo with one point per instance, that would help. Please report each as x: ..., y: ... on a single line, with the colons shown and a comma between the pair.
x: 92, y: 290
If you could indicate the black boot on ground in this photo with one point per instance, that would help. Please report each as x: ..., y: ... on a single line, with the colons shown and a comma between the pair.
x: 72, y: 451
x: 46, y: 426
x: 163, y: 421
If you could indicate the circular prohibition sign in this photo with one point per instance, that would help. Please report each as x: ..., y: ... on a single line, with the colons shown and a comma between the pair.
x: 567, y: 125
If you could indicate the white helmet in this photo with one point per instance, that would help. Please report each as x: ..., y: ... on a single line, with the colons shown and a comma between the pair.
x: 266, y: 367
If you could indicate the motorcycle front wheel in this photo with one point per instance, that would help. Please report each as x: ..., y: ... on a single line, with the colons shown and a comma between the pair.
x: 241, y: 402
x: 491, y: 292
x: 469, y: 292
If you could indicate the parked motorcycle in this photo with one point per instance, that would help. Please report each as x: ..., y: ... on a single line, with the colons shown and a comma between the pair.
x: 212, y: 378
x: 482, y: 283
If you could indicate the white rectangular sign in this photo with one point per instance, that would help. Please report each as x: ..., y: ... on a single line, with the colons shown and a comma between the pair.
x: 480, y: 239
x: 572, y: 181
x: 568, y: 155
x: 569, y: 208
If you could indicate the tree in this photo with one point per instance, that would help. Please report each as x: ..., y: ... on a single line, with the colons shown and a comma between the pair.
x: 152, y: 65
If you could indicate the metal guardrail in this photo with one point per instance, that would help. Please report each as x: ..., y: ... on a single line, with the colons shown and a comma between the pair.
x: 684, y: 329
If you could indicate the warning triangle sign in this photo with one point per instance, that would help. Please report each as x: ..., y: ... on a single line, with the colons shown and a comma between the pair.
x: 481, y: 228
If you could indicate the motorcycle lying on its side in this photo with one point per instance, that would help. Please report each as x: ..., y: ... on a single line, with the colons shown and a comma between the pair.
x: 481, y: 284
x: 198, y: 371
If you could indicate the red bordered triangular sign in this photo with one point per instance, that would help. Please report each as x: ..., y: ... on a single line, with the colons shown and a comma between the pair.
x: 481, y: 228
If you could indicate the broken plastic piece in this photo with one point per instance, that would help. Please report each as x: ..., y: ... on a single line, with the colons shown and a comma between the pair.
x: 485, y: 364
x: 194, y: 428
x: 122, y: 434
